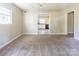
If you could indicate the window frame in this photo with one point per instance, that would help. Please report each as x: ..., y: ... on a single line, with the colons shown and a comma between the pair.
x: 6, y: 13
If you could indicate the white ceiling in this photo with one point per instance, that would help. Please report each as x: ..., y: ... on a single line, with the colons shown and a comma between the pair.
x: 45, y: 6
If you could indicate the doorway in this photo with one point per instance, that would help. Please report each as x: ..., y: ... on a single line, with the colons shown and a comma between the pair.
x: 43, y: 25
x: 70, y: 23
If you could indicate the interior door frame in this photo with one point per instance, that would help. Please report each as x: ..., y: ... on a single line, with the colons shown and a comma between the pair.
x: 67, y: 21
x: 38, y: 21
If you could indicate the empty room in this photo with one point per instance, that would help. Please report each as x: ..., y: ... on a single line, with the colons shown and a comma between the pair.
x: 39, y: 29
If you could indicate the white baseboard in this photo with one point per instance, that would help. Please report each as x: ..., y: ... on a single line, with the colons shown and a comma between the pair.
x: 30, y: 34
x: 10, y: 41
x: 45, y: 34
x: 58, y: 33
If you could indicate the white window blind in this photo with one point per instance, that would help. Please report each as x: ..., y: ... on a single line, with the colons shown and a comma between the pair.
x: 5, y: 16
x: 42, y: 20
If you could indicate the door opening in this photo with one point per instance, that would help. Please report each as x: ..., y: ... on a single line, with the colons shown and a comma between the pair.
x: 70, y: 23
x: 43, y: 25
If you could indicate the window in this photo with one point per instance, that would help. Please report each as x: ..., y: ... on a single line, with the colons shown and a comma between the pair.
x: 41, y: 20
x: 5, y: 16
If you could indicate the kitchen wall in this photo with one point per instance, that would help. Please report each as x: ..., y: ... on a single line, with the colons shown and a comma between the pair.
x: 10, y: 31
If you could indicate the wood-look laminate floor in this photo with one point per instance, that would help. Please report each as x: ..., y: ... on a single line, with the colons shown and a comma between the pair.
x: 42, y: 45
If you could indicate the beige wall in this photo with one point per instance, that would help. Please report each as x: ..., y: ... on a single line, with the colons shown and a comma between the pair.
x: 30, y: 22
x: 9, y: 31
x: 56, y: 18
x: 57, y: 22
x: 47, y: 20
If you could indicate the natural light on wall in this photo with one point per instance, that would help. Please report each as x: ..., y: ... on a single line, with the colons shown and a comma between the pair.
x: 5, y: 16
